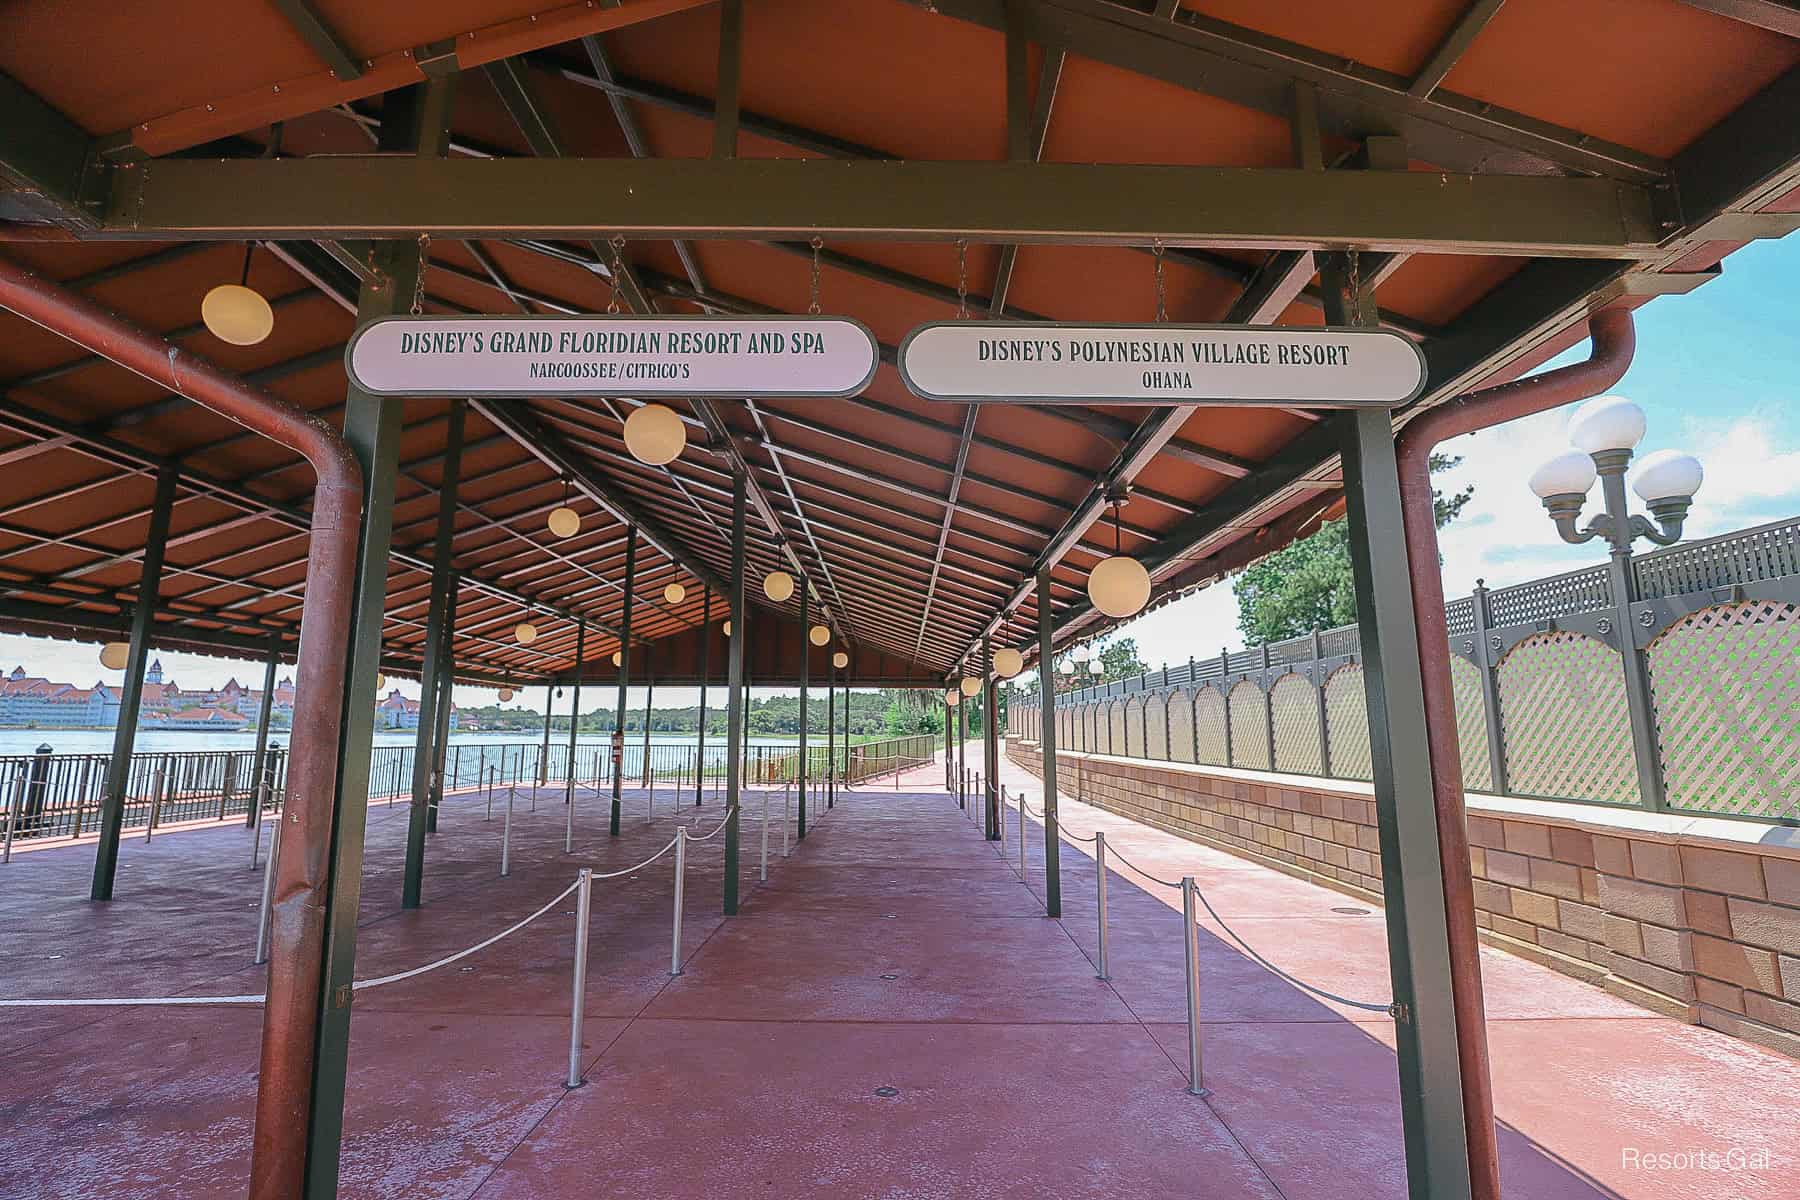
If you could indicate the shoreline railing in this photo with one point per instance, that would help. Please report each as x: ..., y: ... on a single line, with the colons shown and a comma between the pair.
x: 49, y: 795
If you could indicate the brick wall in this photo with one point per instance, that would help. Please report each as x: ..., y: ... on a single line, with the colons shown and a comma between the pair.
x: 1690, y: 917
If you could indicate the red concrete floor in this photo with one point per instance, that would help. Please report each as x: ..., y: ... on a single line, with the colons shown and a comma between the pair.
x: 890, y: 1015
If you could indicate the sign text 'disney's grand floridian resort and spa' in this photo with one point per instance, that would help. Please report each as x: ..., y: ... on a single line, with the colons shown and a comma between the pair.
x: 612, y: 356
x: 1048, y: 363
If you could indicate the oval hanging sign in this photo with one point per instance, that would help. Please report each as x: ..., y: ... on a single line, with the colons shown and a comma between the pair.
x: 611, y: 356
x: 1036, y: 362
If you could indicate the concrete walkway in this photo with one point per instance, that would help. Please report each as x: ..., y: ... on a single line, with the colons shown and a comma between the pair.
x: 891, y: 1015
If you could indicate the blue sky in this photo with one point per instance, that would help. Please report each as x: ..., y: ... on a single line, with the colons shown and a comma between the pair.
x: 1716, y: 371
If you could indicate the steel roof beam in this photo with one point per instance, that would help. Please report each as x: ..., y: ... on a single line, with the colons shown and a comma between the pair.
x: 323, y: 40
x: 1258, y: 71
x: 1456, y: 42
x: 784, y: 199
x: 1777, y: 16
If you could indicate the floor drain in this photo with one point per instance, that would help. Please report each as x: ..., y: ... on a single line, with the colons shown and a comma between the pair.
x: 890, y: 916
x: 887, y: 1091
x: 1352, y: 912
x: 890, y: 977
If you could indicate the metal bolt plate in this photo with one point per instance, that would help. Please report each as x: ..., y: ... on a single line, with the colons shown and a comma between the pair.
x: 890, y: 977
x: 887, y: 1091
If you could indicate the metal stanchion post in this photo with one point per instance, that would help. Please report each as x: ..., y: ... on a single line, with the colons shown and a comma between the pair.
x: 569, y: 817
x: 12, y: 813
x: 1100, y: 896
x: 506, y: 834
x: 787, y: 814
x: 1021, y: 801
x: 583, y: 905
x: 268, y: 894
x: 1190, y: 941
x: 490, y: 791
x: 680, y: 896
x: 762, y: 871
x: 156, y: 794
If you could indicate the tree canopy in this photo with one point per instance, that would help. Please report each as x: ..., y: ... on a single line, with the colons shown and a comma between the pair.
x: 1308, y: 585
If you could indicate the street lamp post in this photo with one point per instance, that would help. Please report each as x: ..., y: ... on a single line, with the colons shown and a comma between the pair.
x: 1605, y: 433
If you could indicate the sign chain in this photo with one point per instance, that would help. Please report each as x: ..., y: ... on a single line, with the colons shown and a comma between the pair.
x: 418, y: 298
x: 812, y: 305
x: 962, y: 279
x: 618, y: 270
x: 1162, y: 287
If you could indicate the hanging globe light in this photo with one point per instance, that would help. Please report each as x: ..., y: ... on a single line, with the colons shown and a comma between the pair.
x: 114, y: 654
x: 618, y: 658
x: 727, y: 628
x: 505, y: 695
x: 564, y: 521
x: 840, y: 660
x: 674, y: 594
x: 237, y: 313
x: 952, y: 697
x: 1008, y: 662
x: 525, y: 633
x: 818, y: 635
x: 970, y: 686
x: 380, y: 681
x: 655, y: 435
x: 1096, y: 667
x: 1119, y: 586
x: 778, y: 586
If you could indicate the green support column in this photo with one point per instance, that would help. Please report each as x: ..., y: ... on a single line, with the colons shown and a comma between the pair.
x: 446, y: 680
x: 543, y: 772
x: 734, y: 680
x: 575, y: 704
x: 131, y: 693
x: 419, y: 817
x: 372, y: 427
x: 805, y: 671
x: 962, y: 746
x: 1431, y: 1103
x: 705, y: 670
x: 990, y: 741
x: 617, y: 748
x: 830, y: 735
x: 253, y: 810
x: 1047, y: 748
x: 649, y: 697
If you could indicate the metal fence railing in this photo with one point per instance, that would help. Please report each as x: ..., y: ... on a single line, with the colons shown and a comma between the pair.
x: 49, y: 795
x: 1538, y: 674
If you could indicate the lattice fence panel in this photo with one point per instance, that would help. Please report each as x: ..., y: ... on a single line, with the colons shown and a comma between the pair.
x: 1135, y: 727
x: 1156, y: 725
x: 1181, y: 727
x: 1249, y: 728
x: 1727, y: 687
x: 1471, y: 725
x: 1115, y: 727
x: 1562, y: 698
x: 1347, y: 723
x: 1211, y: 727
x: 1294, y: 711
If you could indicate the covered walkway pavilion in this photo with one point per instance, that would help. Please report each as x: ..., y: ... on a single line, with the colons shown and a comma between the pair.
x: 1476, y: 187
x: 895, y: 949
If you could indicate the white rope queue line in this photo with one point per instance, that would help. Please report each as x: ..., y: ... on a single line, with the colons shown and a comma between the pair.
x: 360, y: 984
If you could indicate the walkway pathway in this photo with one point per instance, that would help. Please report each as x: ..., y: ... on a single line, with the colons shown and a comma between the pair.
x: 891, y: 1015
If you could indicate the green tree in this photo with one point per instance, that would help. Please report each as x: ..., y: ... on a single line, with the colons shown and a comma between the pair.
x: 1308, y: 585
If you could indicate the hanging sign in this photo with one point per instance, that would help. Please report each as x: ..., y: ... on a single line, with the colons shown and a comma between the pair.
x: 1041, y: 362
x: 611, y: 356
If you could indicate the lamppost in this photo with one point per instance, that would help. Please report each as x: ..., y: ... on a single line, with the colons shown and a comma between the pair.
x: 1605, y: 432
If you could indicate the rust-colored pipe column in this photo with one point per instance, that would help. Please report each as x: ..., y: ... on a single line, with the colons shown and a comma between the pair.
x: 1614, y: 340
x: 278, y: 1158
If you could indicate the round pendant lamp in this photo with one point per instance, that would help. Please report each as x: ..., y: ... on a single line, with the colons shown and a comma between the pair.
x: 1008, y: 662
x: 840, y: 660
x: 970, y: 686
x: 674, y: 594
x: 778, y: 586
x: 114, y: 654
x: 818, y: 635
x: 655, y: 435
x: 236, y: 312
x: 526, y: 633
